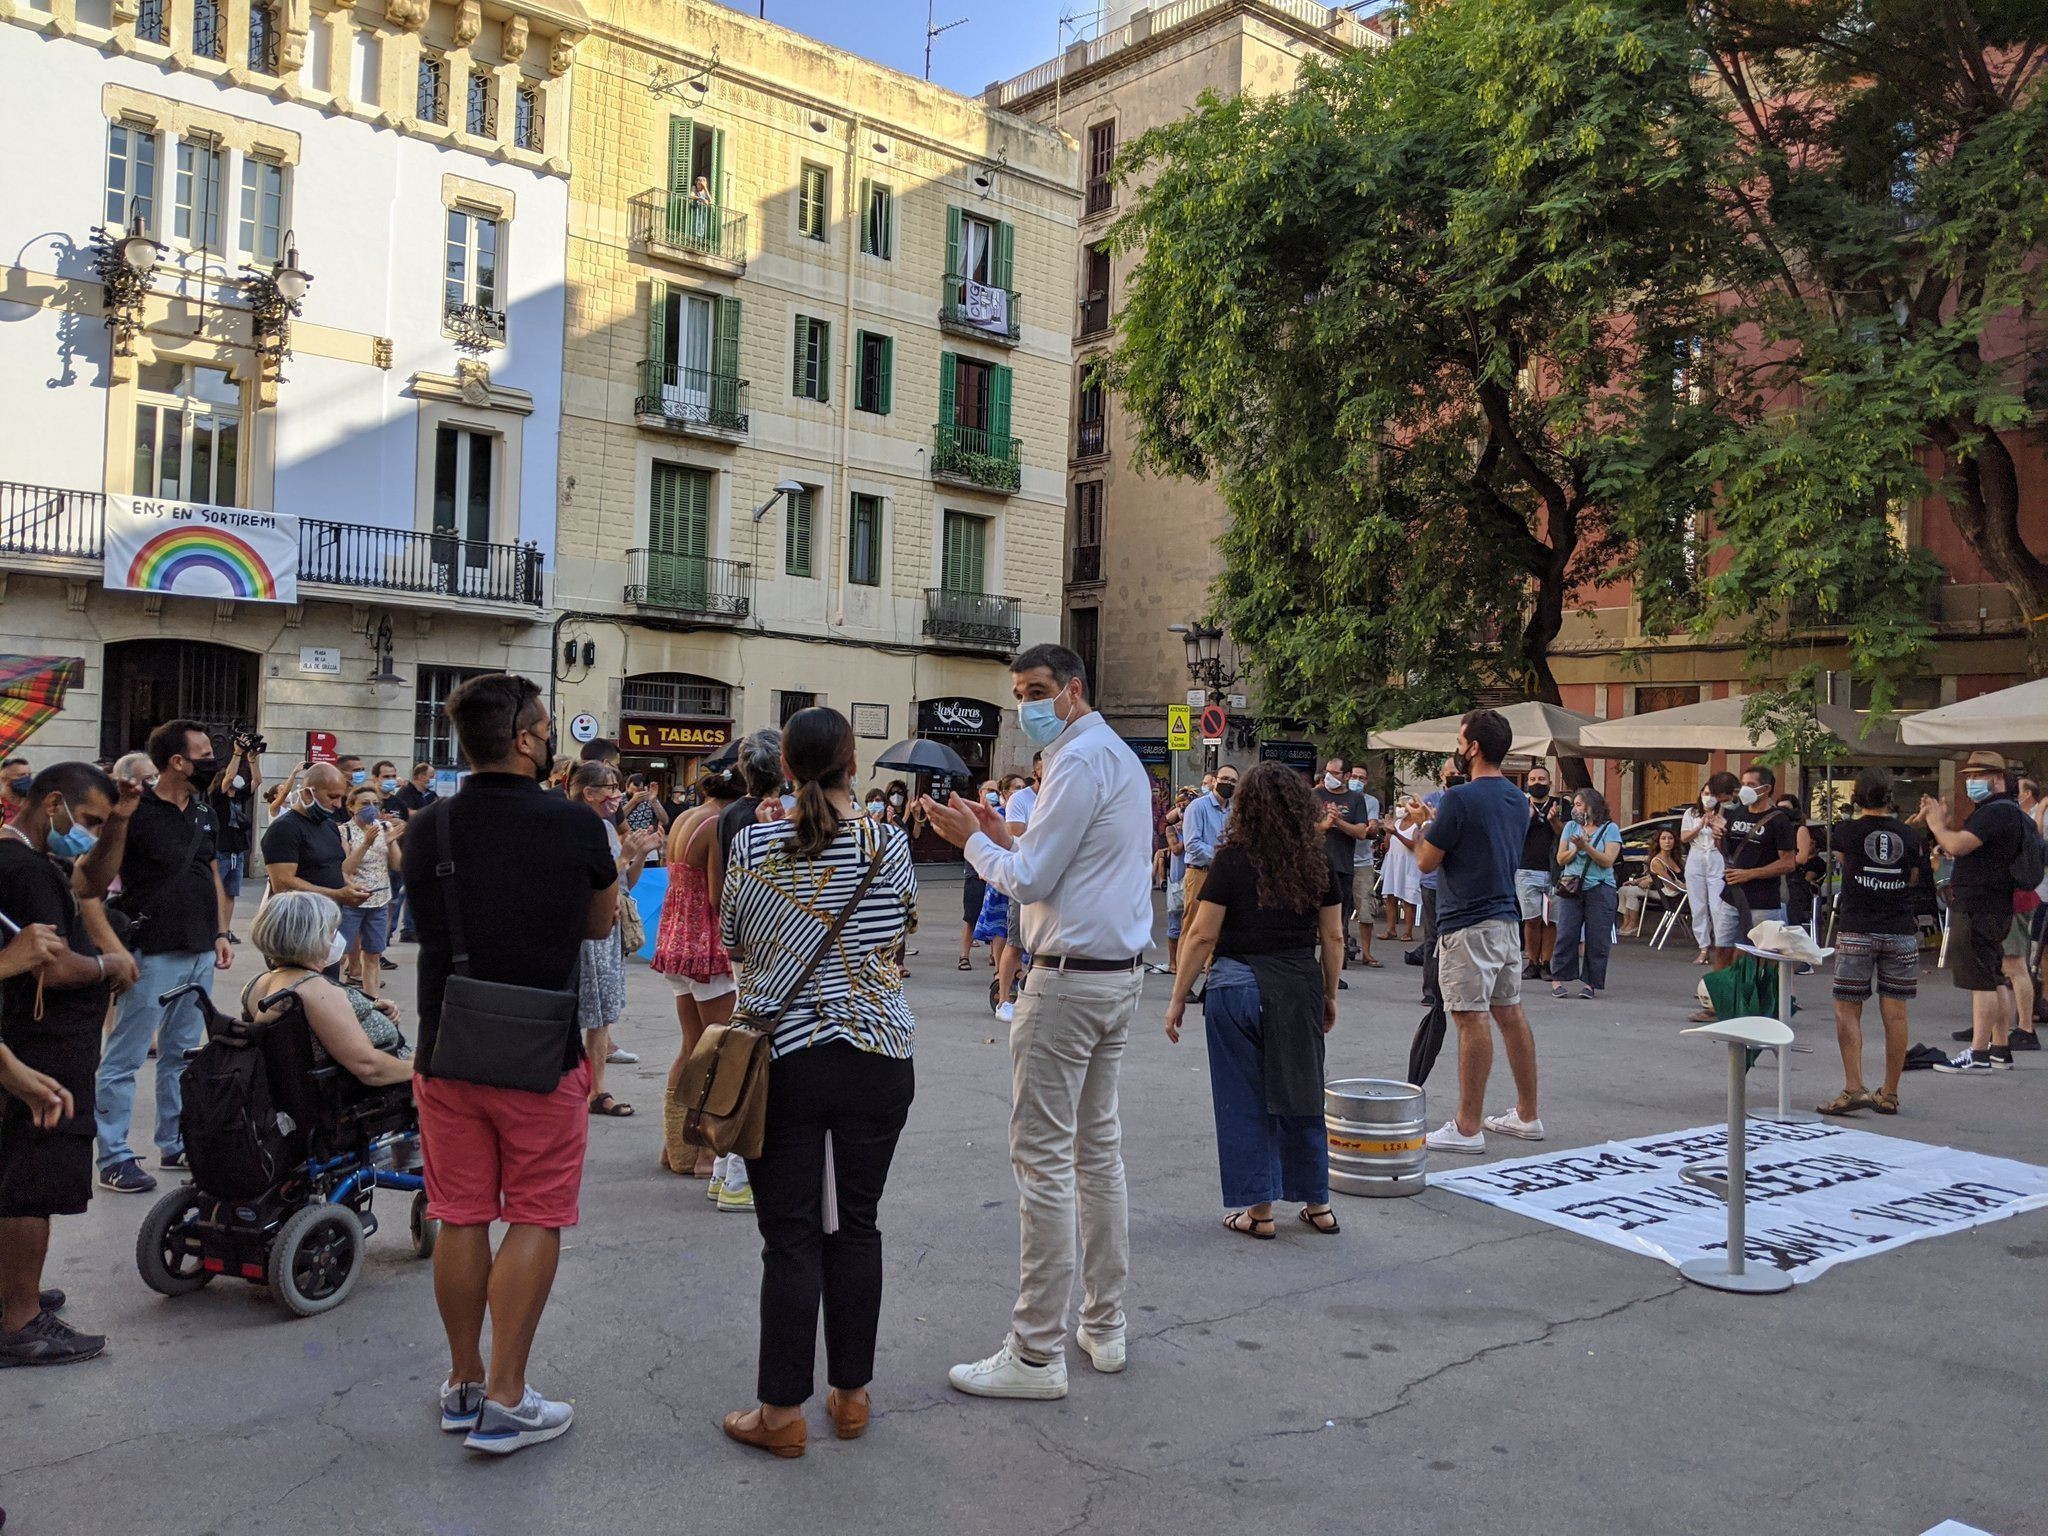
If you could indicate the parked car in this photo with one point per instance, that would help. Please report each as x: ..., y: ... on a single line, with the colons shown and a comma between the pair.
x: 1637, y: 840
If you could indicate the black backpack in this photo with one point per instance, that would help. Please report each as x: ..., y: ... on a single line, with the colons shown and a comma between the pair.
x: 235, y: 1136
x: 2030, y: 864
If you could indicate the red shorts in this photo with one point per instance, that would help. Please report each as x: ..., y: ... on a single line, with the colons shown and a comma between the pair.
x: 500, y: 1154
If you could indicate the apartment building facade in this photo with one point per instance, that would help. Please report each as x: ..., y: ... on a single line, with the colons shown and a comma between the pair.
x: 815, y: 408
x: 1141, y: 550
x: 282, y: 358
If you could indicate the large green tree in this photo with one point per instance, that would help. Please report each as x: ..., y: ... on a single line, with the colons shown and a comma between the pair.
x: 1887, y: 209
x: 1429, y: 322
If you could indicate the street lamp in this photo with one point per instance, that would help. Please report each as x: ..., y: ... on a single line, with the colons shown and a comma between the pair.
x: 274, y: 298
x: 125, y: 262
x: 1204, y: 643
x: 782, y: 488
x: 385, y: 678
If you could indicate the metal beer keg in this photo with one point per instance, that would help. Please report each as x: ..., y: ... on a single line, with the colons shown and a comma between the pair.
x: 1376, y: 1126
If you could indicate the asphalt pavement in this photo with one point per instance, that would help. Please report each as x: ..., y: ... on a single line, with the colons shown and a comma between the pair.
x: 1439, y: 1366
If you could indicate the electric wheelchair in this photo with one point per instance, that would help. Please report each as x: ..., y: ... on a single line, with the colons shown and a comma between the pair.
x: 303, y: 1236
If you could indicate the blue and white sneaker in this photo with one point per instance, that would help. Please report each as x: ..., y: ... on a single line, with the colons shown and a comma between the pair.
x: 460, y: 1404
x: 126, y: 1178
x: 501, y: 1430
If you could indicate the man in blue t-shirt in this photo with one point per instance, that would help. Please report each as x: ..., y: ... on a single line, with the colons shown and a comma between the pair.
x: 1473, y: 841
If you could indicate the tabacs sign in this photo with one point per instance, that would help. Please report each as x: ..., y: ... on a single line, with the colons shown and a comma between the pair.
x: 673, y: 735
x: 957, y: 717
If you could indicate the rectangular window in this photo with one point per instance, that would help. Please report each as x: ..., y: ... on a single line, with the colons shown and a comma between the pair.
x: 1095, y: 292
x: 471, y: 278
x: 462, y: 485
x: 431, y: 105
x: 152, y: 23
x: 878, y: 224
x: 796, y: 534
x: 788, y: 702
x: 528, y: 126
x: 1090, y: 439
x: 131, y: 177
x: 195, y: 214
x: 482, y: 117
x: 813, y: 188
x: 1086, y: 535
x: 1084, y: 639
x: 433, y: 735
x: 971, y: 394
x: 963, y: 553
x: 209, y: 29
x: 872, y: 385
x: 1101, y: 156
x: 678, y: 571
x: 811, y: 372
x: 263, y: 210
x: 864, y: 541
x: 263, y: 38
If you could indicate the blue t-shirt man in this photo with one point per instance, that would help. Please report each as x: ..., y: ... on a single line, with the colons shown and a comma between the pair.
x: 1479, y: 826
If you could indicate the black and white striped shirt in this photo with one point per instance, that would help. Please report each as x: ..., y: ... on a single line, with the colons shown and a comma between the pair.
x: 776, y: 910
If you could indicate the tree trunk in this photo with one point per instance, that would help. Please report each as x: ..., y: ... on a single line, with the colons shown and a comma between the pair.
x: 1987, y: 515
x: 1542, y: 682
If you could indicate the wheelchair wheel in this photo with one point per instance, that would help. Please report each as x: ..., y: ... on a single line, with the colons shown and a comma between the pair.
x: 425, y: 1230
x: 316, y: 1259
x: 160, y: 1251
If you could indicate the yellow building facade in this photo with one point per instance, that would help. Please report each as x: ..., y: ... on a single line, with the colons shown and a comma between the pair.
x: 815, y: 393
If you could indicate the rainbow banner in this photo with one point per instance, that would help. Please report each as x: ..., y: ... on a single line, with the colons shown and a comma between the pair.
x: 192, y: 550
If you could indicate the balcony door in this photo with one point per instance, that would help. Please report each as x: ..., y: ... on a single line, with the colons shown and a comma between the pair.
x: 464, y: 477
x: 964, y: 555
x: 150, y: 681
x: 693, y: 341
x: 188, y: 434
x: 679, y: 537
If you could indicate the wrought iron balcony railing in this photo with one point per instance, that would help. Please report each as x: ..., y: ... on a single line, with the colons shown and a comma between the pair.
x: 982, y: 620
x: 694, y: 584
x: 681, y: 224
x: 974, y: 456
x: 686, y: 398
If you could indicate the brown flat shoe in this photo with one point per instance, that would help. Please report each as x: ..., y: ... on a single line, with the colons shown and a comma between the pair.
x: 787, y: 1442
x: 849, y: 1413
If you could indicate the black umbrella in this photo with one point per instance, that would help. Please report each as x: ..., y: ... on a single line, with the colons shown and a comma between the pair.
x: 1429, y: 1034
x: 724, y: 757
x: 920, y: 756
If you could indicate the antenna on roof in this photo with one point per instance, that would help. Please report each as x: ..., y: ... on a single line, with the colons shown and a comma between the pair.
x: 931, y: 32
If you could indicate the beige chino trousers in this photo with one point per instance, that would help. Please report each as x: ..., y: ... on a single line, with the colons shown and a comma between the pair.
x: 1066, y: 1146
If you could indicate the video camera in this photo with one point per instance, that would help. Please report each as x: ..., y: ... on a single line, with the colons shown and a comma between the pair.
x: 247, y: 741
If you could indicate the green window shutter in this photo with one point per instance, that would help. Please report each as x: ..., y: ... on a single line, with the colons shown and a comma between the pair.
x: 952, y: 241
x: 679, y: 511
x: 796, y: 542
x: 888, y: 372
x: 695, y: 539
x: 949, y: 369
x: 1003, y: 259
x: 977, y: 533
x: 661, y: 507
x: 680, y: 132
x: 717, y: 170
x: 999, y: 410
x: 796, y: 372
x: 824, y: 330
x: 725, y: 356
x: 962, y: 559
x: 949, y: 556
x: 867, y: 216
x: 657, y: 322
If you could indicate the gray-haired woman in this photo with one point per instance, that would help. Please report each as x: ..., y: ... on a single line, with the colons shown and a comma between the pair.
x: 298, y: 934
x: 1588, y: 894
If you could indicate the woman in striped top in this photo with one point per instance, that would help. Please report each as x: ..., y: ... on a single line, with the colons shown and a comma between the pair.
x: 841, y: 1066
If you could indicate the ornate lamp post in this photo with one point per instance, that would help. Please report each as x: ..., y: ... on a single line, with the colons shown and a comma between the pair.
x: 275, y: 296
x: 1207, y: 668
x: 125, y: 262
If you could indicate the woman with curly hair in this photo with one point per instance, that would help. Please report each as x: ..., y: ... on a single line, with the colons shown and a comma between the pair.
x: 1269, y: 926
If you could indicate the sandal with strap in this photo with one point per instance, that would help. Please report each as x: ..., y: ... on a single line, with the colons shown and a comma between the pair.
x: 1847, y: 1102
x: 966, y: 964
x: 1369, y: 963
x: 1316, y: 1219
x: 1884, y: 1103
x: 1245, y: 1224
x: 605, y: 1104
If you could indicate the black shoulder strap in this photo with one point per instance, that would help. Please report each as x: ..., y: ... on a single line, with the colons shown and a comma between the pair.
x: 451, y: 896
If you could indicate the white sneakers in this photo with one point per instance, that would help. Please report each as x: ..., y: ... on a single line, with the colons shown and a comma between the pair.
x: 1448, y: 1138
x: 1106, y: 1355
x: 1512, y: 1124
x: 1003, y: 1374
x: 1007, y: 1012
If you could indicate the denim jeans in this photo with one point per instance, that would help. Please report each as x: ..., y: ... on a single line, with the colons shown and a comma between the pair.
x: 230, y: 866
x: 398, y: 913
x: 1263, y: 1157
x: 175, y: 1031
x: 1586, y: 918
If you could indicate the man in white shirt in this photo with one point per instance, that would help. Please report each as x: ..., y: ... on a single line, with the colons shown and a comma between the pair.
x: 1082, y: 872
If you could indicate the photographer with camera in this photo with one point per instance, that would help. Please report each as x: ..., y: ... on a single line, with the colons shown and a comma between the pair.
x: 233, y: 798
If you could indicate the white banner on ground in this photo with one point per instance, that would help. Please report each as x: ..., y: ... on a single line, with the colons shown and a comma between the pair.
x: 1818, y: 1194
x: 196, y: 550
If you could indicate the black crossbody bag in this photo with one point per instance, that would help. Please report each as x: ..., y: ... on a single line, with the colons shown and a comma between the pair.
x: 493, y: 1033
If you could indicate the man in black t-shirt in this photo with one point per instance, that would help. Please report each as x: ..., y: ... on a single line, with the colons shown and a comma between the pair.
x: 50, y: 1021
x: 528, y: 878
x: 1980, y: 894
x: 1346, y: 821
x: 302, y: 848
x: 1761, y: 846
x: 1533, y: 871
x: 1878, y: 939
x: 233, y: 799
x: 171, y: 891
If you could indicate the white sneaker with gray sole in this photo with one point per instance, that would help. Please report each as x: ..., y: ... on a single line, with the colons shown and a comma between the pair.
x: 500, y: 1430
x: 1003, y: 1374
x: 1106, y: 1355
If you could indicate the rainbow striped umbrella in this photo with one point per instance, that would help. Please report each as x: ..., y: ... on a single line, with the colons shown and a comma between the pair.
x: 31, y: 691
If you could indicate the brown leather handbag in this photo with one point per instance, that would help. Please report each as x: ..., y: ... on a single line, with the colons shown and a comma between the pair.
x: 722, y: 1101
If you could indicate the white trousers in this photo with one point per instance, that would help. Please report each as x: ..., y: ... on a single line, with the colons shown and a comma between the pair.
x: 1703, y: 886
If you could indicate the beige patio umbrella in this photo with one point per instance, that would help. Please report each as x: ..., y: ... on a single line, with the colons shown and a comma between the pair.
x: 2010, y: 717
x: 1716, y: 725
x: 1541, y: 730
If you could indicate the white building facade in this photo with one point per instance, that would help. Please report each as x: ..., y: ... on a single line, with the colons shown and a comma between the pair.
x: 412, y: 158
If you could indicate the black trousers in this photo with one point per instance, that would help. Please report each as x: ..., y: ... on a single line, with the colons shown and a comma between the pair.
x: 862, y: 1099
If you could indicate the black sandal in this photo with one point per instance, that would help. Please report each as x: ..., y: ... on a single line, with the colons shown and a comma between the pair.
x: 605, y: 1104
x: 966, y: 964
x: 1315, y: 1219
x: 1245, y: 1224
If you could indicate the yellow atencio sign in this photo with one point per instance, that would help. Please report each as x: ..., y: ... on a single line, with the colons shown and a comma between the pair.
x: 1180, y: 728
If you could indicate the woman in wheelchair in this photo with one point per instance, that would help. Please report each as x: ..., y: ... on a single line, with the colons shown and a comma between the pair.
x: 297, y: 934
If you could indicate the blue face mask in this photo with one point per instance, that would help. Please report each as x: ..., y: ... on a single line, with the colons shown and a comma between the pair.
x: 1041, y: 720
x: 359, y: 776
x: 74, y: 844
x: 389, y: 786
x: 1978, y: 790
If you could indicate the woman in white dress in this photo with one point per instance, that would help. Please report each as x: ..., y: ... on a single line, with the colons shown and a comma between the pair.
x: 1400, y: 879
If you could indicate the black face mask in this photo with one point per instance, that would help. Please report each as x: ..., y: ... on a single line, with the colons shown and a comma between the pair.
x: 1539, y: 792
x: 204, y: 770
x: 1462, y: 761
x: 545, y: 765
x: 1224, y: 790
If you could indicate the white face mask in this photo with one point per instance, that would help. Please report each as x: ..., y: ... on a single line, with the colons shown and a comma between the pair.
x: 1749, y: 794
x: 240, y: 782
x: 895, y: 799
x: 1708, y: 802
x: 336, y: 950
x: 1331, y: 781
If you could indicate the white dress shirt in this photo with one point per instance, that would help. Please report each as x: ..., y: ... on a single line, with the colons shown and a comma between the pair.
x: 1083, y: 867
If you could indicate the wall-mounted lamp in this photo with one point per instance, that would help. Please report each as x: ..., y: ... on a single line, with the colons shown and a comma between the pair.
x: 384, y: 678
x: 698, y: 85
x: 125, y: 263
x: 275, y: 296
x: 782, y: 488
x: 985, y: 178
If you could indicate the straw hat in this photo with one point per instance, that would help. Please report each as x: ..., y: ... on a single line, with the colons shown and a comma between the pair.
x: 1994, y: 761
